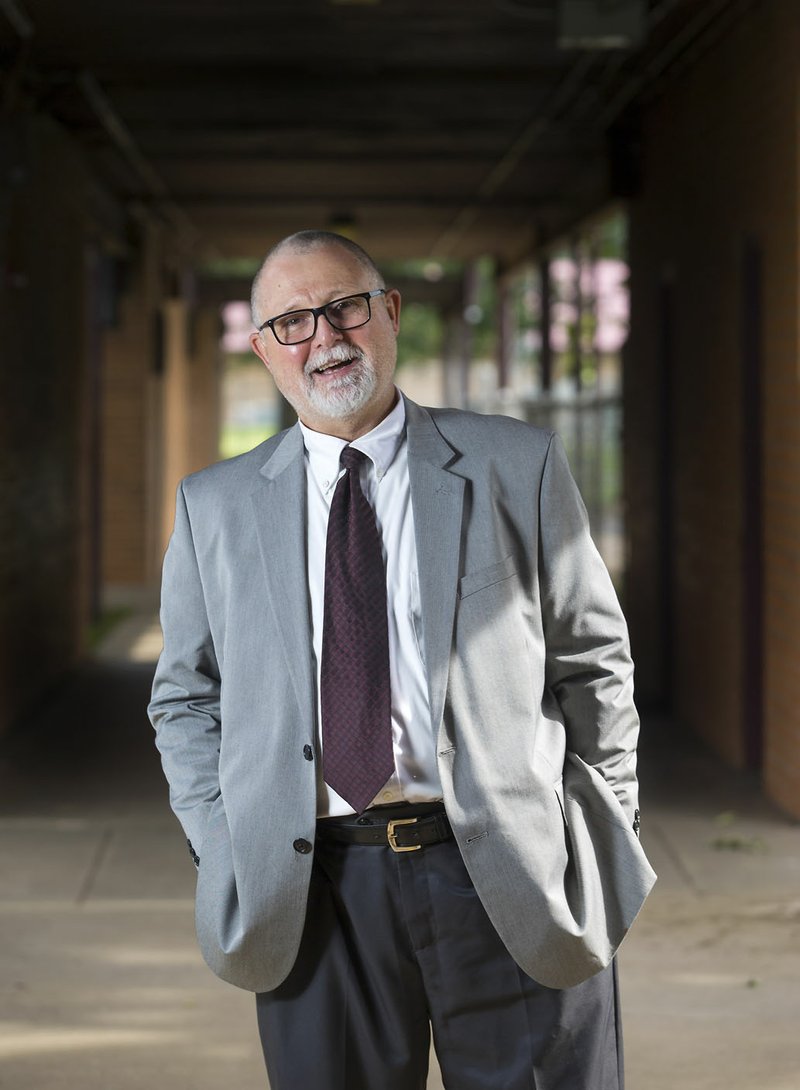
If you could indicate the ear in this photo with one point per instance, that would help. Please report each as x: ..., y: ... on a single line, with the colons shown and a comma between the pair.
x: 392, y: 298
x: 257, y: 344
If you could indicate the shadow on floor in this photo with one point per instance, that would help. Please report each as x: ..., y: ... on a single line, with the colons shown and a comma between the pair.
x: 101, y: 985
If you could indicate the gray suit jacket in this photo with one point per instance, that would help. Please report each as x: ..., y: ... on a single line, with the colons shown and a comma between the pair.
x: 530, y: 688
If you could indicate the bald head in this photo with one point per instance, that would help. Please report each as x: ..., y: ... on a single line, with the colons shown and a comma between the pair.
x: 304, y: 242
x: 339, y: 380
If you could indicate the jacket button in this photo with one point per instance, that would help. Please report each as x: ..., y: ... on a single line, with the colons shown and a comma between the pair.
x: 302, y: 846
x: 308, y: 753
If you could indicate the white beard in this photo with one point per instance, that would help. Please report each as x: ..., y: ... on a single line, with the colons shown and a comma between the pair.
x: 344, y: 395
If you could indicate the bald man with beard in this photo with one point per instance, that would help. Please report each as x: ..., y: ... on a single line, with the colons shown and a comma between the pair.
x: 408, y: 781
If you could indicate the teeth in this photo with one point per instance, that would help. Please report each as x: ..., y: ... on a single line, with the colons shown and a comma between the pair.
x: 333, y: 363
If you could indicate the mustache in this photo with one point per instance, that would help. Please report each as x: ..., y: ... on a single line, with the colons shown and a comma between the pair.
x: 337, y: 353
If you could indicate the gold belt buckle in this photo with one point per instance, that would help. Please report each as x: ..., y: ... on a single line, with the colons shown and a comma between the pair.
x: 392, y: 836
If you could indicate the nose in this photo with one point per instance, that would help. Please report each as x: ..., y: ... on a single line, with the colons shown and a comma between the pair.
x: 326, y: 334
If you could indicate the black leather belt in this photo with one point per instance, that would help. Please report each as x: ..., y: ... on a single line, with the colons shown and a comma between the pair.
x: 403, y: 829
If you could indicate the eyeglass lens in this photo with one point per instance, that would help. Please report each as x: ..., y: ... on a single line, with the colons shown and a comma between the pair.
x: 341, y: 313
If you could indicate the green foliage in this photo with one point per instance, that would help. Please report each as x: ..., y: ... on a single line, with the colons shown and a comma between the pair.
x: 610, y: 236
x: 420, y: 268
x: 238, y: 438
x: 421, y: 335
x: 485, y: 326
x: 105, y: 623
x: 223, y: 268
x: 234, y: 361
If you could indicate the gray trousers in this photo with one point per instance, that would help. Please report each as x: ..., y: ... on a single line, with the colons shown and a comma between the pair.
x: 395, y: 946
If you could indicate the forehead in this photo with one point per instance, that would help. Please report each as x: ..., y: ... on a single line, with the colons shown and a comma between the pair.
x: 312, y: 277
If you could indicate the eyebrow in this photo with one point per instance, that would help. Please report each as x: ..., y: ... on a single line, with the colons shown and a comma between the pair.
x: 342, y: 293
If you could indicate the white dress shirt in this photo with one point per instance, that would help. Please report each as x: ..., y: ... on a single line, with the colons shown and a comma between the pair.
x: 384, y: 479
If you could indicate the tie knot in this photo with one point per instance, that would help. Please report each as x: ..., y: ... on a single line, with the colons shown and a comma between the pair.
x: 351, y: 458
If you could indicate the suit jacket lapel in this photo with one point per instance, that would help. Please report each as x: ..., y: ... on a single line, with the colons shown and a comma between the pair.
x: 437, y: 502
x: 279, y: 502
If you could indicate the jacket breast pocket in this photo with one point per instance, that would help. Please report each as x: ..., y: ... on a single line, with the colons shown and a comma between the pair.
x: 472, y: 582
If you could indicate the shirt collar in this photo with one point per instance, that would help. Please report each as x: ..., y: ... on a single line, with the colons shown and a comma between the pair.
x: 380, y: 445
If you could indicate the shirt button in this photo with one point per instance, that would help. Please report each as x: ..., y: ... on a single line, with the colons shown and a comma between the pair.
x: 387, y: 795
x: 302, y: 846
x: 308, y: 753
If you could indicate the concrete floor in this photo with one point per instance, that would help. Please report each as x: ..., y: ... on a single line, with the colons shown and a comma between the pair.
x: 102, y: 988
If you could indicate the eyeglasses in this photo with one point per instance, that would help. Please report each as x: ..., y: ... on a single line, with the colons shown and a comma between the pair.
x: 297, y: 326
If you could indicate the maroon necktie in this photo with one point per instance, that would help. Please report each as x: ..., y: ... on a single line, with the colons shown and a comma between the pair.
x: 354, y: 681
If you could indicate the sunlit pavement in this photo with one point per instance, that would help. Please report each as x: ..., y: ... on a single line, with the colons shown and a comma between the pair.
x: 101, y: 985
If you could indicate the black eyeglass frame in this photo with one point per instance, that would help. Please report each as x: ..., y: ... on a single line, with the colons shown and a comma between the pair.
x: 317, y: 311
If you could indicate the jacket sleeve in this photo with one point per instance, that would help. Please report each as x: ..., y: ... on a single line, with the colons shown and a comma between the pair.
x: 185, y: 704
x: 588, y: 664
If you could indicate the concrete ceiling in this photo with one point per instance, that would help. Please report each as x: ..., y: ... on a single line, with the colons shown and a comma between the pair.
x: 426, y: 129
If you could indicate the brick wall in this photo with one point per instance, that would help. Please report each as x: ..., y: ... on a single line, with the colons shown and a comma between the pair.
x: 190, y: 429
x: 84, y: 423
x: 720, y: 167
x: 160, y: 416
x: 132, y: 422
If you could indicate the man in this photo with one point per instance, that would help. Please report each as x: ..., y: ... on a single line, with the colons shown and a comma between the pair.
x: 395, y: 711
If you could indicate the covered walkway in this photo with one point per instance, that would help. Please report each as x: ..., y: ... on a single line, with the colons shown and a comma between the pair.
x: 152, y: 153
x: 592, y: 211
x: 102, y: 987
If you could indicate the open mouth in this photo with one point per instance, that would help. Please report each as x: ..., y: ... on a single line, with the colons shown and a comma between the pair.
x: 333, y: 366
